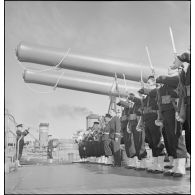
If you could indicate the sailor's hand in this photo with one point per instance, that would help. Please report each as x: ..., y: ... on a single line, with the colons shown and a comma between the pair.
x: 158, y: 86
x: 160, y: 79
x: 128, y: 130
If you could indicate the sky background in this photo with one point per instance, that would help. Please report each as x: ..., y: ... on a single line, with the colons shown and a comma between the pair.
x: 118, y: 29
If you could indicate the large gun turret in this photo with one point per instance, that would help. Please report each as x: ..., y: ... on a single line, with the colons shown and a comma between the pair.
x: 80, y: 81
x: 44, y: 55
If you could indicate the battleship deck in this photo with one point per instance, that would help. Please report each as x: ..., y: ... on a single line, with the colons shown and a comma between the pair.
x: 86, y: 178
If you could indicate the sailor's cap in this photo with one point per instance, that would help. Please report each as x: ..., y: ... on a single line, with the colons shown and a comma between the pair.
x: 108, y: 115
x: 19, y: 125
x: 151, y: 77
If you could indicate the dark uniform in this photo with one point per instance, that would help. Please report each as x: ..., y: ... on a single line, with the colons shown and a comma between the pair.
x: 115, y: 133
x: 82, y: 149
x: 111, y: 146
x: 89, y: 145
x: 174, y: 144
x: 185, y: 57
x: 21, y: 145
x: 20, y: 135
x: 50, y: 149
x: 134, y: 140
x: 138, y: 136
x: 153, y: 133
x: 106, y: 140
x: 127, y: 137
x: 98, y: 144
x: 101, y: 151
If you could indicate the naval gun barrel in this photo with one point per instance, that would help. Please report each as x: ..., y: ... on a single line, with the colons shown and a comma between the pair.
x: 81, y: 82
x: 27, y: 52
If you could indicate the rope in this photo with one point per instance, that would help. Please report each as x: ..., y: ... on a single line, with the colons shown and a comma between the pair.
x: 125, y: 83
x: 56, y: 67
x: 117, y: 88
x: 54, y: 88
x: 111, y: 90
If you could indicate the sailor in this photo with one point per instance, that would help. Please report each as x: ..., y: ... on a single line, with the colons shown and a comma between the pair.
x: 96, y: 145
x: 106, y: 140
x: 101, y: 143
x: 152, y: 131
x: 85, y: 145
x: 19, y: 143
x: 50, y: 149
x: 175, y: 142
x: 129, y: 147
x: 180, y: 59
x: 138, y: 149
x: 113, y: 128
x: 89, y: 144
x: 80, y: 145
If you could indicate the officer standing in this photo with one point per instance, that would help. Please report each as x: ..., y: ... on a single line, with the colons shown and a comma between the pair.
x: 106, y: 140
x: 113, y: 131
x: 20, y: 142
x: 50, y: 149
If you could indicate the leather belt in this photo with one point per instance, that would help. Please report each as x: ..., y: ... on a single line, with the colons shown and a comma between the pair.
x: 188, y: 90
x: 166, y: 99
x: 123, y: 118
x: 132, y: 117
x: 150, y: 111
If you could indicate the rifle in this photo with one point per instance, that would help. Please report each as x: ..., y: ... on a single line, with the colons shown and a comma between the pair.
x: 173, y: 42
x: 140, y: 125
x: 181, y: 107
x: 173, y: 67
x: 159, y: 120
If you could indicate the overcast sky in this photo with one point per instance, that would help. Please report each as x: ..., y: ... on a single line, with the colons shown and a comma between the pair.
x: 118, y: 29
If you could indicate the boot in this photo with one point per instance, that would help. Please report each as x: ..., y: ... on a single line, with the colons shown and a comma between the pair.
x: 166, y: 158
x: 129, y: 163
x: 18, y: 163
x: 170, y: 163
x: 110, y: 160
x: 102, y: 159
x: 154, y: 165
x: 135, y: 163
x: 159, y: 165
x: 142, y: 165
x: 180, y: 170
x: 170, y: 172
x: 105, y: 160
